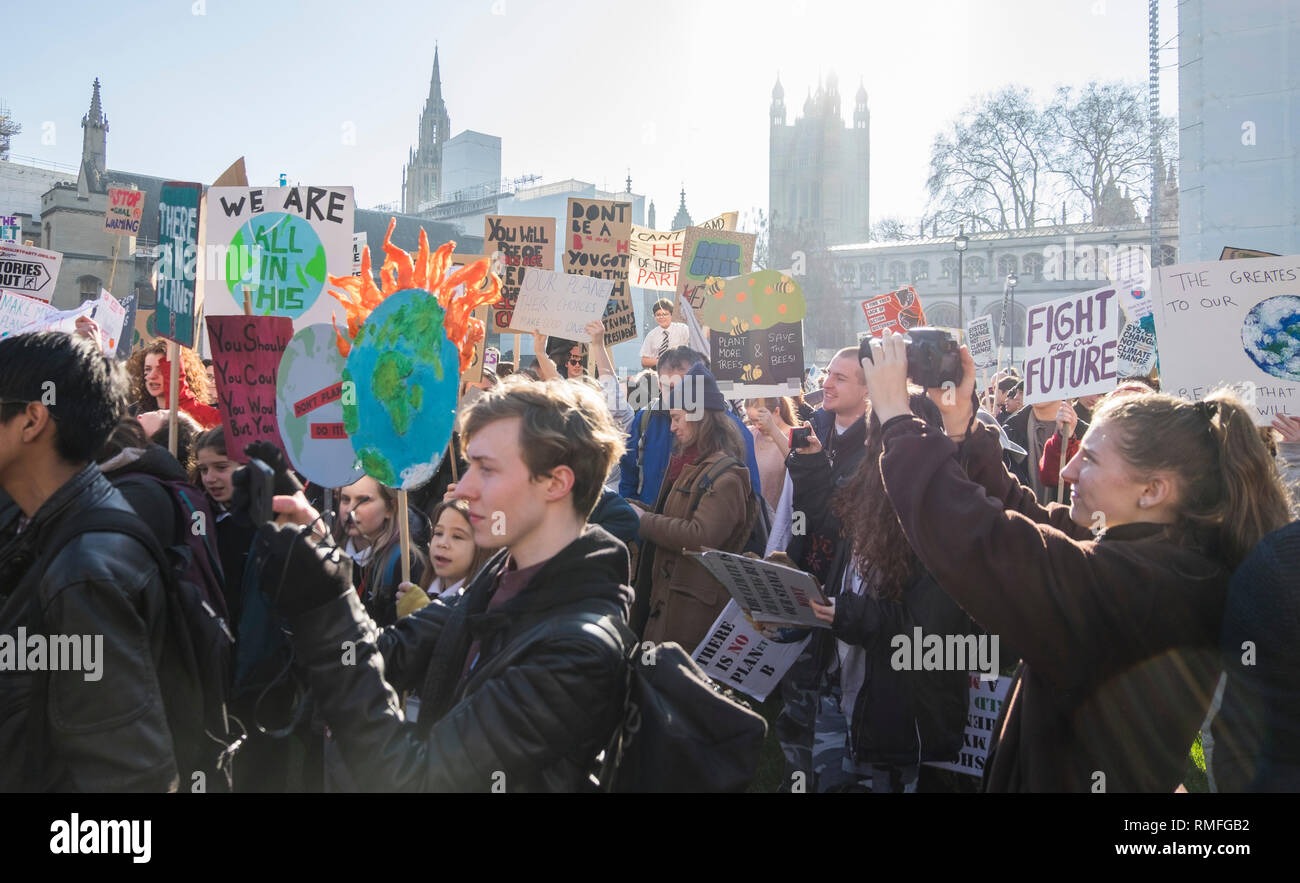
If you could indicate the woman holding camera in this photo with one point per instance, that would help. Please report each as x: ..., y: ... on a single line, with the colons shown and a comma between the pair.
x: 1115, y: 601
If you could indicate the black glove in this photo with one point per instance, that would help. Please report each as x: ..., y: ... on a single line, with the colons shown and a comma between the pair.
x: 286, y: 483
x: 299, y: 574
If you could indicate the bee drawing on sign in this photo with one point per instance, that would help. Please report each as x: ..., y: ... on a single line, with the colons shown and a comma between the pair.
x: 750, y: 372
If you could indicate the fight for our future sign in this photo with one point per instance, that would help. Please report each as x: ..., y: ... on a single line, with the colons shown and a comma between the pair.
x: 1070, y: 346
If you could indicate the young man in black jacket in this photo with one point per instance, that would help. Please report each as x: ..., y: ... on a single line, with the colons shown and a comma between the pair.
x: 102, y: 726
x: 522, y: 679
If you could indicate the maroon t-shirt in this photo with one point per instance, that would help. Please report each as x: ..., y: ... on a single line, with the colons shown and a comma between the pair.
x: 511, y: 582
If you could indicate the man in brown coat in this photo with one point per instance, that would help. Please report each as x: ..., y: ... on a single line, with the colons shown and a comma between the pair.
x: 705, y: 502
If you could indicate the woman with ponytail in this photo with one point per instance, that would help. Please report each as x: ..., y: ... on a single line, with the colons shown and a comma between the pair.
x: 1115, y: 601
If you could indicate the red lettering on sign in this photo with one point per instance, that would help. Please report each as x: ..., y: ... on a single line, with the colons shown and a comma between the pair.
x: 328, y: 430
x: 317, y: 399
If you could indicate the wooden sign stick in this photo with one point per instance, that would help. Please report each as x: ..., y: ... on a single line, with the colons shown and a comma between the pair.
x: 174, y: 354
x: 1060, y: 476
x: 404, y: 531
x: 112, y: 274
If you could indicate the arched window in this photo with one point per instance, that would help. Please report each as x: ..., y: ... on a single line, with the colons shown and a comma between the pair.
x: 1006, y: 265
x: 897, y: 272
x: 941, y: 313
x: 1015, y: 332
x: 920, y: 270
x: 1168, y: 255
x: 948, y: 268
x: 868, y: 274
x: 974, y: 268
x: 145, y: 297
x: 848, y: 274
x: 1034, y: 266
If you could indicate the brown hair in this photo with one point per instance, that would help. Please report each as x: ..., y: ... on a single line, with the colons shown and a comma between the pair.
x: 561, y: 424
x: 214, y: 438
x: 851, y: 352
x: 382, y: 546
x: 196, y: 376
x: 779, y: 405
x: 1228, y: 491
x: 481, y: 553
x: 880, y: 550
x: 128, y: 433
x: 716, y: 431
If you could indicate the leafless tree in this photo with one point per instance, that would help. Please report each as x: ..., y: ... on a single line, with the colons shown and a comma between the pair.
x: 754, y: 220
x: 892, y: 229
x: 991, y: 170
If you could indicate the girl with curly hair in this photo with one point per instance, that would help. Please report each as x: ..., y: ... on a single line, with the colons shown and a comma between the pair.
x: 150, y: 375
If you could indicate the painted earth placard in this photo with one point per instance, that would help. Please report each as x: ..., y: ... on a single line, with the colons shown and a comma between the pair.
x: 282, y: 243
x: 309, y: 408
x: 405, y: 373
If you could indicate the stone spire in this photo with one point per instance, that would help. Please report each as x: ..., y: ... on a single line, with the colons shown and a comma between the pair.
x: 683, y: 217
x: 94, y: 147
x: 422, y: 177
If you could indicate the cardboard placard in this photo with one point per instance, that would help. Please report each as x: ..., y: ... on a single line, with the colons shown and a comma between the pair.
x: 767, y: 362
x: 1070, y: 346
x: 596, y: 242
x: 560, y: 304
x: 656, y: 255
x: 706, y: 253
x: 125, y: 209
x: 894, y: 311
x: 1232, y: 322
x: 178, y: 244
x: 358, y: 246
x: 1233, y: 254
x: 246, y: 353
x: 1135, y: 354
x: 737, y: 655
x: 979, y: 340
x: 309, y: 408
x: 282, y: 242
x: 517, y: 244
x: 769, y: 592
x: 31, y: 272
x: 130, y: 306
x: 752, y: 302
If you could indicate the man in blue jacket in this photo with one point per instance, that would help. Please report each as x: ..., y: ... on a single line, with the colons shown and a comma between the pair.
x: 646, y: 459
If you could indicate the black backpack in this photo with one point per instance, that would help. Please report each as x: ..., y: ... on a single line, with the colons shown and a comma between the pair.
x: 194, y: 674
x: 679, y: 731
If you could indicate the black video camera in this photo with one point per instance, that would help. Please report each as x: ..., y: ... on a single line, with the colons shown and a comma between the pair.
x: 933, y: 357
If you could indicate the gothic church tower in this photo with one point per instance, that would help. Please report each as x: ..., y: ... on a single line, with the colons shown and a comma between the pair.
x: 422, y: 177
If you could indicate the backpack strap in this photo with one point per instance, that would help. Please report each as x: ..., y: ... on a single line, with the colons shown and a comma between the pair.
x: 705, y: 482
x: 98, y: 520
x: 640, y: 450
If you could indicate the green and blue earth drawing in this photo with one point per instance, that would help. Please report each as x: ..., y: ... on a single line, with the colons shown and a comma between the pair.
x: 292, y: 272
x: 406, y: 373
x: 1270, y: 335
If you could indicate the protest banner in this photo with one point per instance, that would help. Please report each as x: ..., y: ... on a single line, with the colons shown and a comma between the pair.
x: 767, y: 362
x: 474, y: 372
x: 560, y: 304
x: 400, y: 386
x: 985, y: 698
x: 1135, y: 354
x: 29, y: 271
x: 596, y: 244
x: 737, y: 655
x: 1231, y: 322
x: 146, y: 330
x: 107, y: 312
x: 705, y: 253
x: 979, y: 339
x: 656, y: 255
x: 178, y: 243
x: 358, y: 246
x: 130, y: 305
x: 894, y: 311
x: 309, y: 408
x: 516, y: 244
x: 751, y: 301
x: 10, y: 229
x: 1070, y: 346
x: 246, y: 353
x: 283, y: 243
x: 125, y: 209
x: 18, y: 312
x: 1232, y: 254
x: 768, y: 592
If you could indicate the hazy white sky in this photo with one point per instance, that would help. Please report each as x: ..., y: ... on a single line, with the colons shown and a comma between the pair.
x: 676, y: 91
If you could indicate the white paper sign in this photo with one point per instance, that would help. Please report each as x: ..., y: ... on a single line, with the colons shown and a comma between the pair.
x: 31, y: 272
x: 770, y: 592
x: 107, y: 312
x: 736, y: 654
x: 1070, y: 346
x: 282, y: 243
x: 979, y: 338
x: 17, y: 312
x: 1232, y: 322
x: 656, y: 255
x: 560, y: 304
x: 986, y: 698
x: 358, y: 246
x: 1136, y: 351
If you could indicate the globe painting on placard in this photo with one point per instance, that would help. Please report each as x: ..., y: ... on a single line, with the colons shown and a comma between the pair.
x: 408, y: 340
x: 309, y: 408
x: 1270, y: 335
x: 290, y: 274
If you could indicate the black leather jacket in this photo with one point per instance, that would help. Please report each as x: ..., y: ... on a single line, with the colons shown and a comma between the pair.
x: 108, y: 734
x: 536, y: 709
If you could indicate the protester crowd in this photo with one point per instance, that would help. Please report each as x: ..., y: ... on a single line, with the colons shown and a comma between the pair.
x: 1134, y: 553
